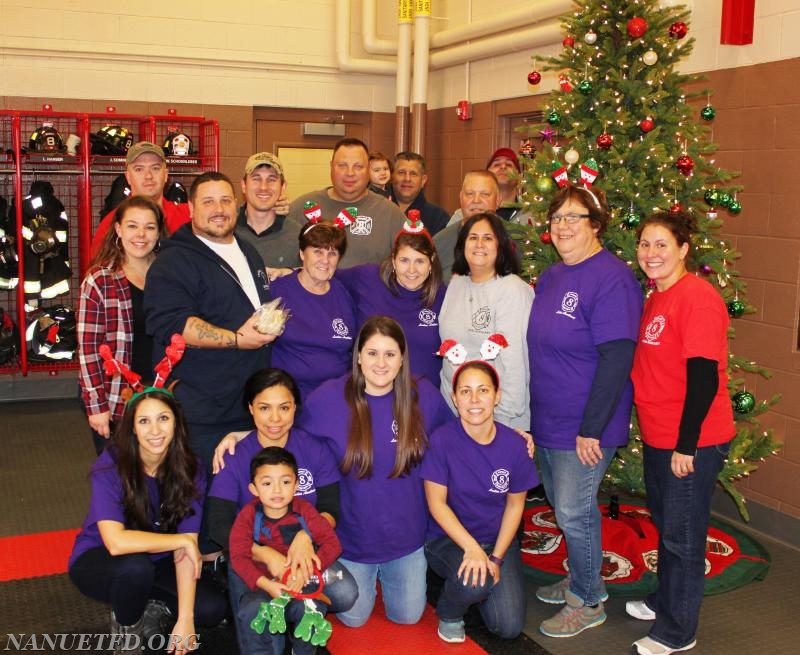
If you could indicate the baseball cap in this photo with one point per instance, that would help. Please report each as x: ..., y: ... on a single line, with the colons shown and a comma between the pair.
x: 505, y: 152
x: 144, y: 148
x: 263, y: 159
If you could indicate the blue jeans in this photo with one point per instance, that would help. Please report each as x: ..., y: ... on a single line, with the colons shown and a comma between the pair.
x: 342, y: 594
x: 680, y: 508
x: 403, y: 587
x: 502, y: 606
x: 572, y: 488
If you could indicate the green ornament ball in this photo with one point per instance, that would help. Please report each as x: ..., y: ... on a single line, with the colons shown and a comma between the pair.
x: 736, y: 308
x: 711, y: 197
x: 585, y: 87
x: 743, y: 402
x: 554, y: 118
x: 708, y: 113
x: 544, y: 185
x: 631, y: 219
x: 735, y: 207
x: 725, y: 199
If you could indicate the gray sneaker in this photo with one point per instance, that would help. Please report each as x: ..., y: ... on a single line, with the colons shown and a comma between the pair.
x: 157, y: 619
x: 128, y: 638
x: 573, y: 618
x: 452, y: 631
x: 554, y: 593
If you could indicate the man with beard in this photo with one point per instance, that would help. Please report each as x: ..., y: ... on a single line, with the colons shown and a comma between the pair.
x: 206, y: 284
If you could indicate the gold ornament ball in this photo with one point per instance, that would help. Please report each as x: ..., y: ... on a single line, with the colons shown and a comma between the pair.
x: 650, y: 57
x: 572, y: 156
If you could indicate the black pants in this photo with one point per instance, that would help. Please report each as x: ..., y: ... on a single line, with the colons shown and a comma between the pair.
x: 127, y: 582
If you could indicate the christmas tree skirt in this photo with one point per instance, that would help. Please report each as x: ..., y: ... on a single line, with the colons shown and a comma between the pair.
x: 630, y: 552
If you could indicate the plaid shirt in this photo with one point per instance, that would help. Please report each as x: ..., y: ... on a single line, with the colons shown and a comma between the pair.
x: 105, y: 316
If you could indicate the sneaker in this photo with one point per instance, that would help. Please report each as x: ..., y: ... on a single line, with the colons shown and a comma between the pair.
x: 157, y: 620
x: 452, y: 631
x: 129, y: 637
x: 638, y: 609
x: 554, y: 593
x: 574, y: 618
x: 648, y: 646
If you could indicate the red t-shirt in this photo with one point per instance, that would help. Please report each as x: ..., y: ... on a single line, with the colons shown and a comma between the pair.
x: 174, y: 216
x: 687, y: 320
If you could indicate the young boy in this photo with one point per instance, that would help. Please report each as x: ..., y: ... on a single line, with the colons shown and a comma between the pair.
x: 273, y: 519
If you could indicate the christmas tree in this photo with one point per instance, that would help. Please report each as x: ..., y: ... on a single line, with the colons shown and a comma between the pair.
x: 626, y: 121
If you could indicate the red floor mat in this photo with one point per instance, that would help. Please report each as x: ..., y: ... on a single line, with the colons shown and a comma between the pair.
x: 387, y: 638
x: 35, y: 555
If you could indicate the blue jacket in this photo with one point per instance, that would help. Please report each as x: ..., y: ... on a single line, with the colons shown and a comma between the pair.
x: 189, y: 279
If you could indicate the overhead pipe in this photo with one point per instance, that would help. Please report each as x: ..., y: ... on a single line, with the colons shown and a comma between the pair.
x: 419, y: 109
x: 405, y: 16
x: 497, y: 23
x: 542, y: 35
x: 530, y: 13
x: 350, y: 64
x: 369, y: 33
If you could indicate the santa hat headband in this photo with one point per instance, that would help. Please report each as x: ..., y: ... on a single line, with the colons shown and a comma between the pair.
x: 456, y: 354
x: 173, y: 354
x: 414, y: 225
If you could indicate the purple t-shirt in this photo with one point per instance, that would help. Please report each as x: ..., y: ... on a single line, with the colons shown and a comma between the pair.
x: 317, y: 467
x: 420, y: 323
x: 576, y: 309
x: 477, y: 476
x: 105, y: 504
x: 317, y: 344
x: 381, y: 518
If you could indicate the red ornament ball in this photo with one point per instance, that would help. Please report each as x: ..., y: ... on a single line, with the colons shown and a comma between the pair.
x: 545, y: 237
x: 534, y: 77
x: 637, y: 27
x: 605, y: 141
x: 678, y: 30
x: 568, y: 42
x: 685, y: 164
x: 676, y: 208
x: 646, y: 124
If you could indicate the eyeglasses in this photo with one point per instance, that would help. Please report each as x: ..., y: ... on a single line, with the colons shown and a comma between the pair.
x: 571, y: 219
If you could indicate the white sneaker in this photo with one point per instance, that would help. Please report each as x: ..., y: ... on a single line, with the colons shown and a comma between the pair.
x: 648, y: 646
x: 638, y: 609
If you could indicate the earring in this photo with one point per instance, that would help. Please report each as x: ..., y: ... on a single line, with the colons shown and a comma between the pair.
x: 118, y: 244
x: 157, y: 247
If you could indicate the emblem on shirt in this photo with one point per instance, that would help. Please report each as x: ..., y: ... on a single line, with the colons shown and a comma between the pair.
x: 652, y: 333
x: 262, y: 275
x: 500, y: 480
x: 428, y: 318
x: 481, y: 319
x: 305, y: 482
x: 569, y: 303
x: 340, y: 329
x: 395, y: 430
x: 362, y: 227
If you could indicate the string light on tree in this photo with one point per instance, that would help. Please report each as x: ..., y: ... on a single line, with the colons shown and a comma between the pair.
x: 639, y: 119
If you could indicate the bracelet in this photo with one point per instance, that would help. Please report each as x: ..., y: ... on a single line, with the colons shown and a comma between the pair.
x: 494, y: 559
x: 236, y: 340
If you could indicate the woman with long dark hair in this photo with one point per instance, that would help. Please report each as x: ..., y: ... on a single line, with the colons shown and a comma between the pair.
x: 137, y: 548
x: 376, y: 420
x: 111, y: 311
